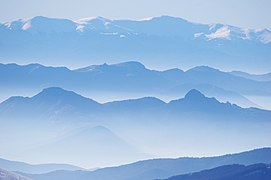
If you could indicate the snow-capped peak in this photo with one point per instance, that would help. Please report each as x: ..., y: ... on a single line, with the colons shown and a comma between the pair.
x: 42, y: 24
x: 163, y: 25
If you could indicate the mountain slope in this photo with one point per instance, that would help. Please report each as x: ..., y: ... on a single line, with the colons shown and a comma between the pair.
x: 261, y: 77
x: 35, y: 169
x: 234, y: 172
x: 207, y: 75
x: 163, y: 168
x: 7, y: 175
x: 93, y: 144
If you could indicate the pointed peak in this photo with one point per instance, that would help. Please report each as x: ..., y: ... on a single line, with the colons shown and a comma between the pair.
x: 194, y: 94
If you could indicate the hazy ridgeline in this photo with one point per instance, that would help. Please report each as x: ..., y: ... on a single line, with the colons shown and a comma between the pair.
x: 56, y: 124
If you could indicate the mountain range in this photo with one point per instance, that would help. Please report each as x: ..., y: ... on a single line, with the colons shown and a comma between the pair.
x: 133, y: 79
x: 58, y: 103
x: 168, y: 41
x: 164, y: 168
x: 157, y: 98
x: 57, y: 119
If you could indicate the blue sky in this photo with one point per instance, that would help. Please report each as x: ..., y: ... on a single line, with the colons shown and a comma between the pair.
x: 244, y: 13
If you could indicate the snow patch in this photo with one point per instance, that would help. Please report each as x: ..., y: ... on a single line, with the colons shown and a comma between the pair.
x: 265, y: 37
x: 246, y: 34
x: 86, y: 20
x: 212, y: 26
x: 146, y: 19
x: 27, y: 25
x: 221, y: 33
x: 198, y: 35
x: 80, y: 28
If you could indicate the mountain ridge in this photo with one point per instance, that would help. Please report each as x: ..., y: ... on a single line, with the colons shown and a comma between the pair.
x: 35, y: 168
x: 84, y: 23
x: 60, y: 103
x: 233, y: 172
x: 163, y: 168
x: 151, y: 41
x: 134, y: 77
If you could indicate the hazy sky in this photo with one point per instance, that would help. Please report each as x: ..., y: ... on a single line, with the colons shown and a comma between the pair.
x: 245, y: 13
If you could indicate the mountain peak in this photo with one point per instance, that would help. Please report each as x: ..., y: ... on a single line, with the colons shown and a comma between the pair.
x: 164, y: 18
x: 53, y: 90
x: 53, y: 93
x: 194, y: 94
x: 131, y: 64
x: 40, y: 18
x: 42, y: 24
x: 56, y: 95
x: 203, y: 69
x: 89, y: 19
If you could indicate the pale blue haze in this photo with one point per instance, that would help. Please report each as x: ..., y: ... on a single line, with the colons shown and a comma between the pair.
x: 142, y: 87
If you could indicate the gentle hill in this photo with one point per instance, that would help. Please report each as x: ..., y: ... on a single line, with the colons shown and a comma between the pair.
x: 35, y: 168
x: 163, y: 168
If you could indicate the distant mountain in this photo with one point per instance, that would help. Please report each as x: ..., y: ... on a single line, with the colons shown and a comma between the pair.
x: 57, y: 125
x: 214, y: 91
x: 94, y: 144
x: 132, y: 78
x: 256, y: 77
x: 233, y: 172
x: 161, y: 26
x: 7, y: 175
x: 164, y: 168
x: 57, y: 103
x: 154, y: 40
x: 35, y: 169
x: 207, y: 75
x: 50, y: 102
